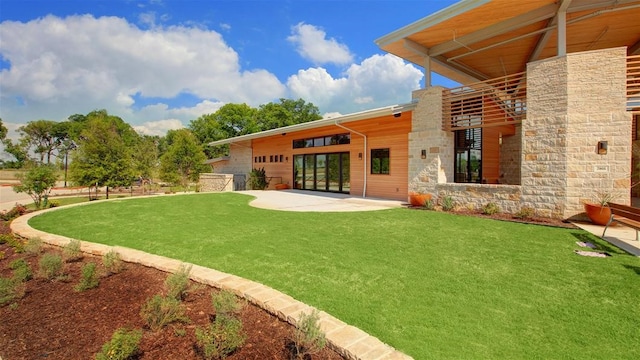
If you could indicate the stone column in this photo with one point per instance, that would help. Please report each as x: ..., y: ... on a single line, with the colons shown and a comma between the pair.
x: 572, y: 103
x: 426, y: 134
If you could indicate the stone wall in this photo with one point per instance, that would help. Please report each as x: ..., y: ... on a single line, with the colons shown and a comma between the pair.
x: 426, y: 134
x: 572, y: 103
x: 511, y: 158
x: 475, y: 196
x: 239, y: 162
x: 215, y: 182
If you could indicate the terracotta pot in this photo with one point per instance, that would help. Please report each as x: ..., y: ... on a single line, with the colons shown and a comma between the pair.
x: 599, y: 215
x: 419, y: 199
x: 282, y: 186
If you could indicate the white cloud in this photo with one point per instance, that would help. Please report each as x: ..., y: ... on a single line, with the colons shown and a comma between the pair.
x: 311, y: 43
x: 159, y: 127
x: 63, y: 66
x: 380, y: 80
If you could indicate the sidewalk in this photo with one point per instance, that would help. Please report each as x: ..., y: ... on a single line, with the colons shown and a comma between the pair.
x: 619, y: 236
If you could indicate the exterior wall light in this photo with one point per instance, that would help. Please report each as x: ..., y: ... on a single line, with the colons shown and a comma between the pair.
x: 602, y: 147
x: 359, y: 156
x: 423, y: 153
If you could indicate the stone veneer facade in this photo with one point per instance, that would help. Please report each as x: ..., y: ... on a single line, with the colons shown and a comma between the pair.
x: 572, y: 103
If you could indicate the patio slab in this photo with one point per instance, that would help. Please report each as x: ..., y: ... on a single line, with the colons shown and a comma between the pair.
x: 620, y: 236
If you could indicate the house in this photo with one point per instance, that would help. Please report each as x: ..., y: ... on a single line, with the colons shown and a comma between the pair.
x: 545, y: 118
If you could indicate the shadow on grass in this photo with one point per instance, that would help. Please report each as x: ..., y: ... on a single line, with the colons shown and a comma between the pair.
x: 635, y: 269
x: 600, y: 244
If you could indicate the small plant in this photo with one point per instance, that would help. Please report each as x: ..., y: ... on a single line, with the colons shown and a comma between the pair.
x: 17, y: 210
x: 490, y: 209
x: 10, y: 290
x: 15, y: 243
x: 89, y: 278
x: 33, y: 246
x: 177, y: 284
x: 525, y: 213
x: 308, y: 338
x: 603, y: 198
x: 112, y: 262
x: 221, y: 338
x: 258, y: 179
x: 447, y: 203
x: 429, y: 204
x: 160, y: 311
x: 72, y: 251
x: 225, y: 303
x: 21, y: 270
x: 54, y: 203
x: 50, y: 266
x: 122, y: 346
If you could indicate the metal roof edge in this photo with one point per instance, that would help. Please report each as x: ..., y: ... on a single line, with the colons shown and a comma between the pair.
x: 362, y: 115
x: 430, y: 20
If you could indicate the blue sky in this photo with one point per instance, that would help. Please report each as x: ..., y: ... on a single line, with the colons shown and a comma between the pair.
x: 160, y: 63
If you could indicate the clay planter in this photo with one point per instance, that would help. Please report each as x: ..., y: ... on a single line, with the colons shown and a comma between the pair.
x: 419, y: 199
x: 282, y: 186
x: 598, y: 214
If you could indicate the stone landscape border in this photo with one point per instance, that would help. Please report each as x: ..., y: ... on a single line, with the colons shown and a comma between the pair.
x: 347, y: 340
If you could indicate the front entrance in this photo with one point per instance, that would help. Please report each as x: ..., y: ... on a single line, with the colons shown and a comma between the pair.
x: 322, y: 172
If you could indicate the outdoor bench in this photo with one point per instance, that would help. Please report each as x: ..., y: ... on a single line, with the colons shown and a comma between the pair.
x: 626, y: 215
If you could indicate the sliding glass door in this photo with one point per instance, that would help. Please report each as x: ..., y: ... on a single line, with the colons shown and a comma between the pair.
x: 322, y: 172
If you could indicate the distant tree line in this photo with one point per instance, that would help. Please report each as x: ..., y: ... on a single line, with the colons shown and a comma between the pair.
x: 99, y: 149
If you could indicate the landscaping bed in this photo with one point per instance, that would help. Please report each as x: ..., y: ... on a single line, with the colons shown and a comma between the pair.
x: 54, y: 321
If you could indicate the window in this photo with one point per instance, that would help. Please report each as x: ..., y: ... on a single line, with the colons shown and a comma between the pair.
x: 338, y: 139
x: 380, y: 161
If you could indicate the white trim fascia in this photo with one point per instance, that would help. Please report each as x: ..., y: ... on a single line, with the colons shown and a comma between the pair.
x: 429, y: 21
x: 363, y: 115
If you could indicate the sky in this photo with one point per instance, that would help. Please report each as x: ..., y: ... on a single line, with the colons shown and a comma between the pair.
x: 158, y: 64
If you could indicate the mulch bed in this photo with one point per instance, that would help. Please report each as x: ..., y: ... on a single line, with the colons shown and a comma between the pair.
x: 52, y: 321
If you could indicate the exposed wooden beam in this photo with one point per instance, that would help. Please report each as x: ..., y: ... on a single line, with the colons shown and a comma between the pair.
x: 460, y: 68
x: 415, y: 47
x: 543, y: 40
x: 545, y: 12
x: 562, y: 27
x: 634, y: 49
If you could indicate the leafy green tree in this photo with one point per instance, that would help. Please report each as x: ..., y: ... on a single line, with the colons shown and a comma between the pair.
x: 3, y: 131
x: 43, y: 137
x: 103, y: 157
x: 19, y: 153
x: 37, y: 182
x: 145, y: 156
x: 184, y: 159
x: 287, y: 112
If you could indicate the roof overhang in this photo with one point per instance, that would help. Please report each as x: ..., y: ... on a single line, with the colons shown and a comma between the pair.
x: 343, y: 119
x: 476, y: 40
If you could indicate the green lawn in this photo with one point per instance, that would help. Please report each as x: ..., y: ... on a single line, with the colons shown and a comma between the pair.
x: 433, y: 285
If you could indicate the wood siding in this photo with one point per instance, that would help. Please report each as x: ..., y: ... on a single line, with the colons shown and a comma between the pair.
x: 382, y: 132
x: 491, y: 151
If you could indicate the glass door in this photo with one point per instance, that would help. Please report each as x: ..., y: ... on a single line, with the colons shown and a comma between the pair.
x: 322, y: 172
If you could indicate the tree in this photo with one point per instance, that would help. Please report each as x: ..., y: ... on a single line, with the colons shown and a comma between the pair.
x: 37, y: 182
x: 3, y: 130
x: 42, y: 136
x: 18, y: 151
x: 102, y: 157
x: 184, y: 159
x: 287, y: 112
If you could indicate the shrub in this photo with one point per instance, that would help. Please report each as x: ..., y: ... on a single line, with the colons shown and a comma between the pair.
x: 10, y: 290
x: 177, y: 284
x: 89, y: 278
x: 225, y: 303
x: 123, y: 345
x: 160, y: 311
x: 308, y: 339
x: 112, y: 262
x: 447, y: 203
x: 50, y: 266
x: 490, y: 209
x: 258, y: 179
x: 16, y: 211
x: 54, y: 203
x: 21, y: 270
x: 221, y: 338
x: 525, y: 213
x: 33, y: 246
x: 72, y: 251
x: 429, y: 204
x: 14, y: 242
